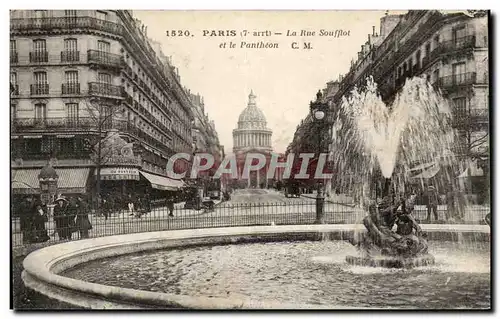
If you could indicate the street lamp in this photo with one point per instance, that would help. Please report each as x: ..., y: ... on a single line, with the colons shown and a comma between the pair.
x: 318, y: 111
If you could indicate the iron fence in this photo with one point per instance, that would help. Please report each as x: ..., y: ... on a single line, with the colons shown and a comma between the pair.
x: 26, y: 231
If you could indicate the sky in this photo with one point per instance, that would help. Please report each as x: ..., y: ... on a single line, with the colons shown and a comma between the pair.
x: 284, y: 80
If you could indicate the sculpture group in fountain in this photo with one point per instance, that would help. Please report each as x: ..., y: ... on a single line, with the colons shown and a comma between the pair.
x: 381, y: 246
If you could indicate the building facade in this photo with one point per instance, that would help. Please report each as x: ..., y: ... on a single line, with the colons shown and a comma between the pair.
x: 450, y: 50
x: 252, y: 136
x: 206, y: 140
x: 76, y: 76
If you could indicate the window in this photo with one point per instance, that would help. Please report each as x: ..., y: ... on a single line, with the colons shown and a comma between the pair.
x: 40, y: 78
x: 103, y: 46
x: 436, y: 75
x: 436, y: 41
x: 39, y: 53
x: 418, y: 56
x: 71, y: 77
x: 71, y: 86
x: 48, y: 144
x: 70, y: 13
x: 460, y: 105
x: 41, y: 14
x: 101, y: 15
x: 40, y: 113
x: 41, y: 86
x: 13, y: 112
x: 70, y: 45
x: 13, y: 51
x: 67, y: 145
x: 104, y: 78
x: 72, y: 113
x: 459, y: 74
x: 13, y: 78
x: 459, y: 33
x: 70, y: 53
x: 39, y: 45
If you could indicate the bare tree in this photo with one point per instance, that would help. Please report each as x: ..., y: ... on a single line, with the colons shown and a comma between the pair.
x: 102, y: 114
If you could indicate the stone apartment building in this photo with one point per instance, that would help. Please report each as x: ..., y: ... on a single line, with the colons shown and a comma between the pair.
x: 449, y: 49
x: 83, y: 76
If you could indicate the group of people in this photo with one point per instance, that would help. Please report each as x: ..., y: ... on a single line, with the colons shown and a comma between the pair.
x: 33, y: 215
x: 70, y: 216
x: 137, y: 205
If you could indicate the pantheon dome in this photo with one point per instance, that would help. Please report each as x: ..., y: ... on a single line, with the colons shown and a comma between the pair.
x: 252, y: 131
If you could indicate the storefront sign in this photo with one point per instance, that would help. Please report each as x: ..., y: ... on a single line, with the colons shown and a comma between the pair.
x: 119, y: 173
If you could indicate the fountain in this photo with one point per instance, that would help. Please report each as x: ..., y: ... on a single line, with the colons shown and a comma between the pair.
x: 414, y: 128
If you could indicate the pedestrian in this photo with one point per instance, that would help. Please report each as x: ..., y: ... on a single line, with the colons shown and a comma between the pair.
x: 39, y: 219
x: 450, y: 204
x: 170, y: 206
x: 59, y: 217
x: 432, y: 202
x: 147, y: 202
x: 26, y: 219
x: 130, y: 205
x: 69, y: 218
x: 82, y: 218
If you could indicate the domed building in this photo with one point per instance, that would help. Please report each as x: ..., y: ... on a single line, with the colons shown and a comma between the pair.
x: 252, y: 136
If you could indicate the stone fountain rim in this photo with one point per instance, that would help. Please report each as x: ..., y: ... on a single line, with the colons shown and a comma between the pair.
x: 42, y: 266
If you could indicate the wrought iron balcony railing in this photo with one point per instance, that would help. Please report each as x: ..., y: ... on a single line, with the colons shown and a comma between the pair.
x: 70, y: 56
x: 57, y: 123
x: 458, y: 43
x: 39, y: 57
x: 61, y: 23
x: 105, y: 89
x: 39, y: 89
x: 456, y: 80
x: 104, y: 58
x: 70, y: 88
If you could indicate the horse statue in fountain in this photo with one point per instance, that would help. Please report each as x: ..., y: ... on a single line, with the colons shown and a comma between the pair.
x: 382, y: 246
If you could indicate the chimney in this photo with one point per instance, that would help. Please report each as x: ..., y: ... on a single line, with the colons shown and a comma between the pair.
x: 373, y: 28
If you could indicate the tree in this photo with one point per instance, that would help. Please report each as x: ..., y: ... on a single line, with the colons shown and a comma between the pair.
x: 102, y: 113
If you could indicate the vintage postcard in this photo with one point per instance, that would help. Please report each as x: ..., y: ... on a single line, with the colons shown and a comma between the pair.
x: 250, y: 159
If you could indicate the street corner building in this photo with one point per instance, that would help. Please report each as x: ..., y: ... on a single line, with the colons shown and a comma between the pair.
x: 94, y: 98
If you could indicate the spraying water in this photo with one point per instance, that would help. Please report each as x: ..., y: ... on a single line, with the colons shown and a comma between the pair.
x: 371, y: 136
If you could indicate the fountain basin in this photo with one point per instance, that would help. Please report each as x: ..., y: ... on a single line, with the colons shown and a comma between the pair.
x: 43, y: 268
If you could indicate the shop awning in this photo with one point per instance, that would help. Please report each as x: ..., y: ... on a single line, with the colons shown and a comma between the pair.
x: 71, y: 180
x: 429, y: 172
x: 163, y: 183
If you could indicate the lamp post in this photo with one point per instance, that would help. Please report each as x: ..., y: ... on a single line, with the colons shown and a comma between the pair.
x: 318, y: 112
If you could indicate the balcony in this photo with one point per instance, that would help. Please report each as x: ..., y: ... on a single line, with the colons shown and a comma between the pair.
x: 60, y: 23
x: 104, y: 59
x: 59, y: 123
x: 456, y: 81
x: 39, y: 57
x: 14, y: 57
x: 39, y: 89
x: 105, y: 89
x: 70, y: 89
x: 70, y: 56
x: 458, y: 44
